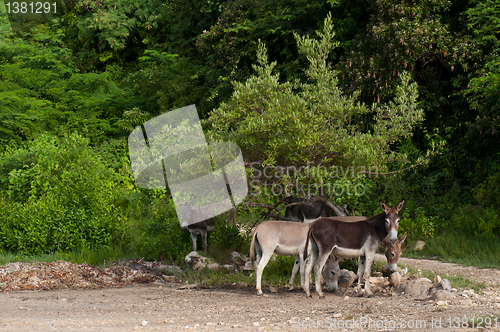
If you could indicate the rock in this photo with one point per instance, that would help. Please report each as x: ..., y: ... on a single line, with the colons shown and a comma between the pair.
x: 273, y: 289
x: 467, y: 302
x: 229, y: 267
x: 346, y: 278
x: 386, y: 272
x: 442, y: 285
x: 419, y: 245
x: 404, y: 271
x: 195, y: 261
x: 443, y: 295
x: 374, y: 288
x: 213, y: 266
x: 395, y: 279
x: 188, y: 286
x: 467, y: 293
x: 377, y: 274
x: 238, y: 259
x: 437, y: 279
x: 144, y: 323
x: 248, y: 266
x: 415, y: 288
x: 240, y: 284
x: 373, y: 280
x: 169, y: 269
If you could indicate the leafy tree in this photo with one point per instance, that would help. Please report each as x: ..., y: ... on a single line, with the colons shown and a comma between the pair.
x: 229, y: 46
x: 295, y: 123
x: 41, y: 91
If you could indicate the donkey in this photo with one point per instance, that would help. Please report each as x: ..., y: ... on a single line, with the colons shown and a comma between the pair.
x: 286, y: 238
x: 349, y: 240
x: 282, y: 237
x: 392, y: 253
x: 204, y: 227
x: 330, y: 269
x: 319, y: 207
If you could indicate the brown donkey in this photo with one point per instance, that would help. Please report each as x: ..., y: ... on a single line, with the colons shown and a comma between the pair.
x: 349, y: 240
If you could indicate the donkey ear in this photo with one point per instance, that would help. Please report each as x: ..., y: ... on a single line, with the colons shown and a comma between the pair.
x: 384, y: 206
x: 403, y: 238
x: 400, y: 205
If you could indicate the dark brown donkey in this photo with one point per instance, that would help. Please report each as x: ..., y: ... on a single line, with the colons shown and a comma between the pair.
x: 349, y: 240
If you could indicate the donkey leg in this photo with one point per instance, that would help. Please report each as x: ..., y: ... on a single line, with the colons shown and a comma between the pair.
x: 204, y: 239
x: 296, y: 266
x: 309, y: 263
x: 367, y: 272
x: 260, y: 267
x: 318, y: 268
x: 361, y: 269
x: 194, y: 237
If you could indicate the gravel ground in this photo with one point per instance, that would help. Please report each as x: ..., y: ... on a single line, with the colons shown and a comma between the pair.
x: 157, y: 303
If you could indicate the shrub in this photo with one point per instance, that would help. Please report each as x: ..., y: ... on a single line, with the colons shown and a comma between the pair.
x: 476, y: 221
x: 418, y: 226
x: 60, y: 196
x: 488, y: 193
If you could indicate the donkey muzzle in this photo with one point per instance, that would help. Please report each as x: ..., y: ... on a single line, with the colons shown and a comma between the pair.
x: 392, y: 268
x: 332, y: 287
x: 393, y: 237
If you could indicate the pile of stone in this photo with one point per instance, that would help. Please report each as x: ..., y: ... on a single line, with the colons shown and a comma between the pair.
x: 197, y: 262
x: 439, y: 290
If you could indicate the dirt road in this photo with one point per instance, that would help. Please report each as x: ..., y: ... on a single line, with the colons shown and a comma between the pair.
x: 167, y: 308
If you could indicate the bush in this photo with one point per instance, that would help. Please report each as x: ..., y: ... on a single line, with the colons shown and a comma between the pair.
x: 476, y: 221
x: 418, y: 226
x: 60, y: 196
x: 157, y: 231
x: 488, y: 193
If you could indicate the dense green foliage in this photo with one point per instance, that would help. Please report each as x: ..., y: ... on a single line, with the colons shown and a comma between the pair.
x: 59, y: 196
x: 388, y: 99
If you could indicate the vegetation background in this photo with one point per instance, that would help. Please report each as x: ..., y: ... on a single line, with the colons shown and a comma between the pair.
x: 410, y: 89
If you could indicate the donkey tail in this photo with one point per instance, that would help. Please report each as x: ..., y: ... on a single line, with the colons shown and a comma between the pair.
x: 307, y: 242
x: 252, y: 248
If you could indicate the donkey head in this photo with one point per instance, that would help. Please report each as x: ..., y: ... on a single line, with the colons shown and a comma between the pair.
x: 392, y: 220
x: 392, y: 252
x: 331, y: 273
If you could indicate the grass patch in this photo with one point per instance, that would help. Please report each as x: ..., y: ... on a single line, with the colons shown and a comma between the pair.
x: 456, y: 281
x: 214, y: 278
x: 462, y: 249
x: 276, y: 273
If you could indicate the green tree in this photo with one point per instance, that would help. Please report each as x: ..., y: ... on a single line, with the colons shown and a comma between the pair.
x: 294, y: 123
